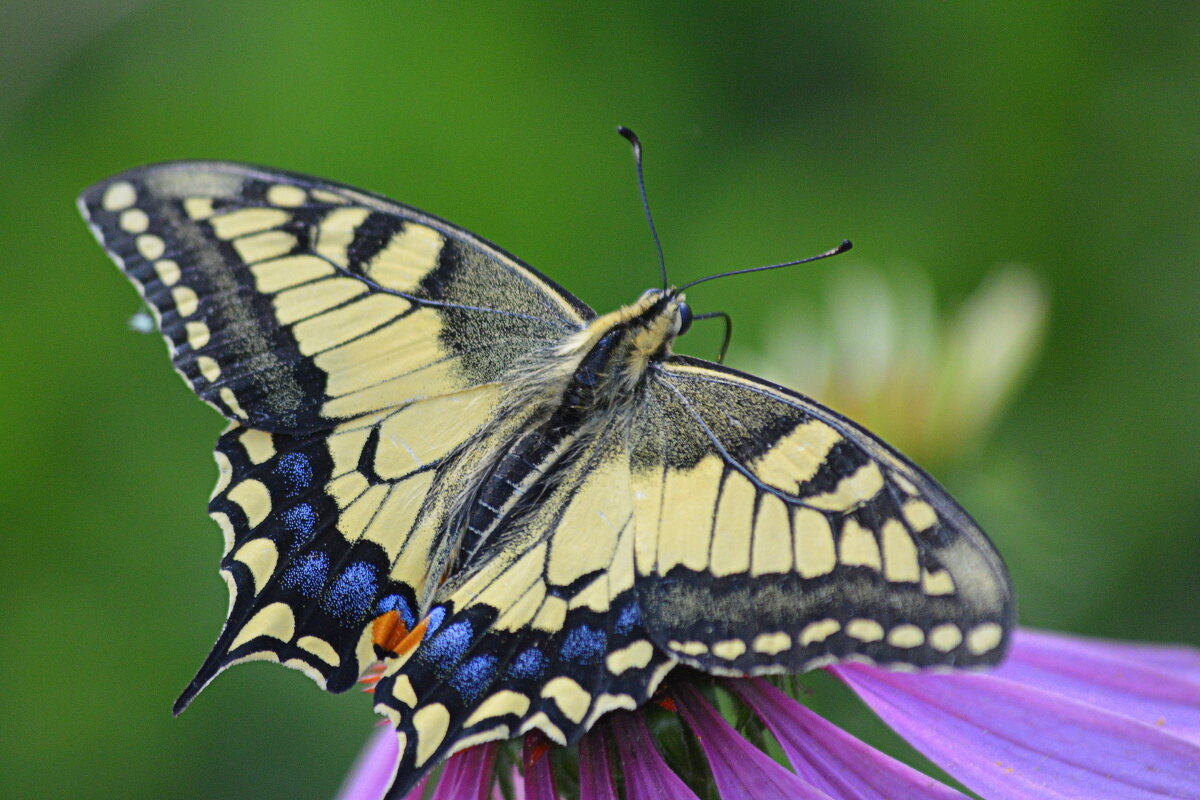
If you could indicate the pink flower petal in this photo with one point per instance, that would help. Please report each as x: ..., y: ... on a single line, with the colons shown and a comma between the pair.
x: 740, y: 770
x: 1122, y: 679
x: 1006, y: 740
x: 595, y: 776
x: 647, y: 776
x: 469, y: 774
x: 831, y: 759
x: 372, y: 772
x: 1180, y: 660
x: 539, y: 776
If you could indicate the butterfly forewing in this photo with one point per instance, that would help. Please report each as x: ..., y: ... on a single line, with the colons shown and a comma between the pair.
x: 289, y: 302
x: 774, y: 535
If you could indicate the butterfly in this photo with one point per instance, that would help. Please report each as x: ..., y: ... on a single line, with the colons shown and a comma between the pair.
x: 439, y: 459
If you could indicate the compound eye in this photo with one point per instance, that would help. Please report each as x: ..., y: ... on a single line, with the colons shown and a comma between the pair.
x: 685, y: 318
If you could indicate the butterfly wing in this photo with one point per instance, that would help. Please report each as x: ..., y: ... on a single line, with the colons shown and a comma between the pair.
x: 774, y: 535
x: 540, y: 631
x: 291, y: 303
x: 355, y: 343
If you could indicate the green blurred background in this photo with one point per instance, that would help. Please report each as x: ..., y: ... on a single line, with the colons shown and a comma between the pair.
x: 1061, y: 135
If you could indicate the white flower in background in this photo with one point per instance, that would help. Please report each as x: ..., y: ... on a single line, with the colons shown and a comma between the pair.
x: 876, y: 349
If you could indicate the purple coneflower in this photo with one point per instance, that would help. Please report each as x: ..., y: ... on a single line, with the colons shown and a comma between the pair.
x: 1064, y: 717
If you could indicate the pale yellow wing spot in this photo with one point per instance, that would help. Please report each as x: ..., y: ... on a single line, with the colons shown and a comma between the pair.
x: 336, y: 232
x: 276, y: 620
x: 278, y: 274
x: 134, y: 221
x: 865, y: 630
x: 984, y: 638
x: 346, y: 488
x: 430, y: 723
x: 380, y: 357
x: 198, y: 208
x: 851, y: 491
x: 683, y: 527
x: 319, y: 648
x: 819, y: 631
x: 393, y: 523
x: 936, y: 582
x: 150, y: 246
x: 264, y: 246
x: 796, y: 457
x: 353, y: 520
x: 906, y: 636
x: 246, y: 220
x: 197, y: 334
x: 286, y: 195
x: 209, y: 368
x: 633, y: 656
x: 899, y: 553
x: 118, y: 196
x: 403, y: 691
x: 260, y: 557
x: 858, y: 547
x: 689, y: 648
x: 333, y: 328
x: 168, y: 271
x: 920, y: 515
x: 503, y: 702
x: 552, y: 615
x: 407, y: 258
x: 728, y: 649
x: 186, y: 301
x: 586, y: 537
x: 310, y: 299
x: 253, y: 498
x: 815, y: 553
x: 771, y: 643
x: 731, y: 536
x: 945, y: 637
x: 543, y: 723
x: 231, y: 402
x: 772, y: 546
x: 571, y: 698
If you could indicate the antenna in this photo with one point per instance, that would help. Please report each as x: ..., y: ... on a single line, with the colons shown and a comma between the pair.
x: 841, y: 248
x: 637, y: 157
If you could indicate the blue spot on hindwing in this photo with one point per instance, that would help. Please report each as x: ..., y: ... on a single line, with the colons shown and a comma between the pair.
x: 435, y: 620
x: 307, y: 574
x: 351, y: 594
x: 584, y: 645
x: 630, y: 616
x: 397, y: 603
x: 301, y: 522
x: 295, y: 471
x: 448, y: 647
x: 528, y: 665
x: 475, y: 676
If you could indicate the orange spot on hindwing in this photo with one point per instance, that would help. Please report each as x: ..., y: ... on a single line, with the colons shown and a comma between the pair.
x: 388, y: 631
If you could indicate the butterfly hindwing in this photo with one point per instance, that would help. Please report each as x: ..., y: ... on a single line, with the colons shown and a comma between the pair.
x: 289, y: 302
x: 774, y: 535
x: 541, y: 632
x: 324, y: 534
